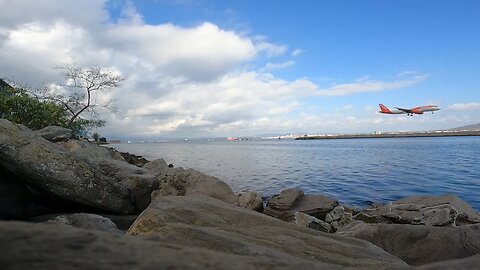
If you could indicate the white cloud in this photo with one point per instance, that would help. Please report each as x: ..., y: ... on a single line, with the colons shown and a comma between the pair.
x: 296, y: 52
x: 471, y: 106
x: 182, y: 81
x: 273, y: 66
x: 269, y: 48
x: 364, y: 84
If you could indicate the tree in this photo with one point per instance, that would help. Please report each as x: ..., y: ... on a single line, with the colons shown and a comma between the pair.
x: 95, y: 136
x: 82, y: 90
x: 19, y: 106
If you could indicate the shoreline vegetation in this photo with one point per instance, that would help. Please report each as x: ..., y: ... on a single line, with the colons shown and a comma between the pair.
x: 67, y: 203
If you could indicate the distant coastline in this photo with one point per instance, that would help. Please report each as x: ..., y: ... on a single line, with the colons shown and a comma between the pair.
x: 392, y: 135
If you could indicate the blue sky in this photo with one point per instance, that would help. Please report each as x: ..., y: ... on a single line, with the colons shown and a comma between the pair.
x: 208, y: 68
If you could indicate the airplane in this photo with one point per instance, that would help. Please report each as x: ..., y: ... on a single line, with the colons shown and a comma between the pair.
x: 410, y: 112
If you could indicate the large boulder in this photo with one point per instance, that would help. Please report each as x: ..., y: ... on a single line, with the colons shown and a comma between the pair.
x: 419, y: 244
x: 55, y: 133
x: 284, y: 205
x: 212, y: 225
x: 178, y: 181
x: 140, y: 182
x: 56, y: 246
x: 444, y: 210
x: 49, y: 167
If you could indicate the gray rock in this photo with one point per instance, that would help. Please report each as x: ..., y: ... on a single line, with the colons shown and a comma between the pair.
x: 156, y: 166
x: 304, y: 220
x: 467, y: 263
x: 290, y: 201
x: 81, y: 220
x: 203, y: 222
x: 55, y: 133
x: 177, y: 181
x: 338, y: 218
x: 419, y: 244
x: 49, y: 167
x: 89, y: 150
x: 55, y: 246
x: 140, y: 182
x: 445, y: 210
x: 250, y: 200
x: 13, y: 197
x: 285, y: 200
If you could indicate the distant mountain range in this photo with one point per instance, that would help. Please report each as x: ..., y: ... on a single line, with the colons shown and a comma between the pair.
x: 469, y: 127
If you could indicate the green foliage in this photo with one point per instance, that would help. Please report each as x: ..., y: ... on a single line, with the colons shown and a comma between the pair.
x: 95, y: 136
x: 18, y: 106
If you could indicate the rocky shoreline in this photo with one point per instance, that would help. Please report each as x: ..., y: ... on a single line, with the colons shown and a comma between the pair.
x: 69, y: 204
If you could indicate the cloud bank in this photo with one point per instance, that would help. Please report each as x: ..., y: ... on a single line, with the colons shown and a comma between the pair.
x: 181, y: 81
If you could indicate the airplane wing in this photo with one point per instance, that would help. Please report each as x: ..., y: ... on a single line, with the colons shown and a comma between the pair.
x: 403, y: 109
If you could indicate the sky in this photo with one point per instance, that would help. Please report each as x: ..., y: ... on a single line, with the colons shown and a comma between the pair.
x: 222, y: 68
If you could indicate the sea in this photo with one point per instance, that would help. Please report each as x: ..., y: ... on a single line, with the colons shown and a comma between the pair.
x: 357, y: 172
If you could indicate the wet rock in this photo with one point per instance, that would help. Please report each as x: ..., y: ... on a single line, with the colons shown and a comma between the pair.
x: 203, y: 222
x: 285, y: 200
x: 250, y: 200
x: 177, y: 181
x: 419, y: 244
x: 49, y: 167
x: 304, y: 220
x: 55, y: 133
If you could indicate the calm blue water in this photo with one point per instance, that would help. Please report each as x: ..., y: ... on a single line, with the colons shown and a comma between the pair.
x: 355, y: 171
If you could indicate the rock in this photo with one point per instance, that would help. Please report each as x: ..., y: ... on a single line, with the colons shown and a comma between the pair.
x: 123, y: 222
x: 90, y: 150
x: 177, y: 181
x: 467, y: 263
x: 140, y: 182
x: 156, y: 166
x: 49, y: 167
x: 285, y: 205
x: 445, y: 210
x: 250, y: 200
x: 304, y: 220
x: 419, y: 244
x: 138, y: 161
x: 81, y: 220
x: 55, y: 133
x: 199, y: 221
x: 55, y: 246
x: 13, y: 197
x: 338, y: 218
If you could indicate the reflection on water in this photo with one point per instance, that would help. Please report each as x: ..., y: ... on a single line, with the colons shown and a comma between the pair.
x: 355, y: 171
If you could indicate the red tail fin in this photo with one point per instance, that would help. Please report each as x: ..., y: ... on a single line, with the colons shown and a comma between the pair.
x: 384, y: 109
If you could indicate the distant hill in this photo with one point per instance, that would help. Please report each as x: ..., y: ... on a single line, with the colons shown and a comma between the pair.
x: 469, y: 127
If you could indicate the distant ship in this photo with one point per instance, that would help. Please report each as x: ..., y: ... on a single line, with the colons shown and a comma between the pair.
x: 232, y: 139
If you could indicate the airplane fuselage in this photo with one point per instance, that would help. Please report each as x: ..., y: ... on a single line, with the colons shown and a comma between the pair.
x: 412, y: 111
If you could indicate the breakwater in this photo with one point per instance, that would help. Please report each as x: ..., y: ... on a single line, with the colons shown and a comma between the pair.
x: 391, y: 135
